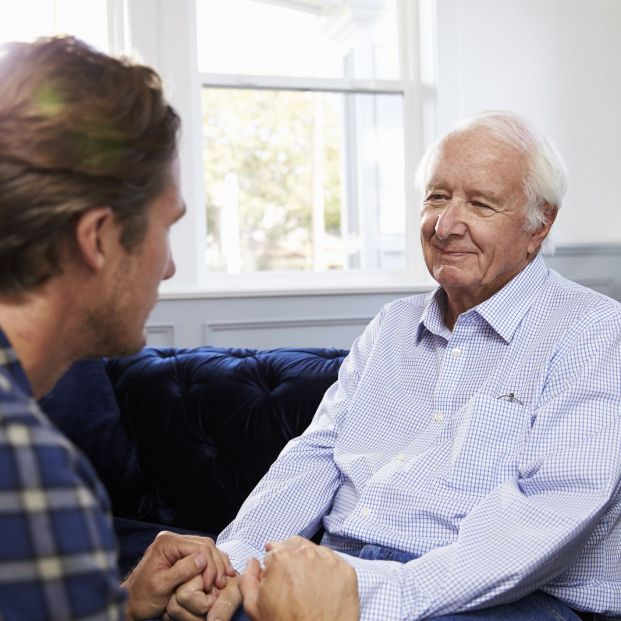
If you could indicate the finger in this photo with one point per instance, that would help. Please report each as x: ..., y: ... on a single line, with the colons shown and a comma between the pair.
x: 272, y: 546
x: 184, y: 570
x: 192, y: 598
x: 230, y: 570
x: 190, y: 538
x: 225, y: 606
x: 292, y: 543
x: 220, y: 567
x: 174, y: 546
x: 216, y: 570
x: 195, y: 602
x: 188, y: 543
x: 176, y: 612
x: 206, y: 543
x: 249, y: 586
x: 223, y: 567
x: 209, y: 573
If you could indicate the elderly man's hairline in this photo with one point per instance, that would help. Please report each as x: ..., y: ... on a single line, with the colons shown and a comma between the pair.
x: 545, y: 181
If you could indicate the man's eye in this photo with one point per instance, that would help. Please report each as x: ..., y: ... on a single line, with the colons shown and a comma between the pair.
x: 436, y: 197
x: 481, y: 205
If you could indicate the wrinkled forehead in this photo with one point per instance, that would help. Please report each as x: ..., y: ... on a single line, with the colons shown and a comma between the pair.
x: 476, y: 153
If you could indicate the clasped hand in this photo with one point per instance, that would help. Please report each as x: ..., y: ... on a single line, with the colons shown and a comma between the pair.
x: 171, y: 560
x: 300, y: 581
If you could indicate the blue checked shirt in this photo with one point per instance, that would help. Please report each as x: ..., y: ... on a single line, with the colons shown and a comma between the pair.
x: 491, y: 453
x: 57, y: 546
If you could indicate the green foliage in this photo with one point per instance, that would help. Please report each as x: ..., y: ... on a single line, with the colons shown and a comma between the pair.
x: 265, y: 138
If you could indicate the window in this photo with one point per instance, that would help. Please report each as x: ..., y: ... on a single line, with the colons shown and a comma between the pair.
x: 299, y: 120
x: 303, y: 123
x: 28, y: 19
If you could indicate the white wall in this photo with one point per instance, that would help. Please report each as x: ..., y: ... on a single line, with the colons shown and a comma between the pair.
x: 558, y: 62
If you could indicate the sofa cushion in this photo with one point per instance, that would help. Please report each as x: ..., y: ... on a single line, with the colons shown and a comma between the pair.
x: 83, y: 406
x: 207, y: 423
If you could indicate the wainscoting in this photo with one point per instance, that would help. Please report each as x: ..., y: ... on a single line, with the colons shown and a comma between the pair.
x: 328, y: 320
x: 264, y: 322
x: 594, y: 266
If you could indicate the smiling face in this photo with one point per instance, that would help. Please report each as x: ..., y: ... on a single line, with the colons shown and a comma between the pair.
x: 473, y: 214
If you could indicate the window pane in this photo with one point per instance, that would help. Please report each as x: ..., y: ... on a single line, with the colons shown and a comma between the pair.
x: 303, y: 180
x: 326, y: 40
x: 28, y: 19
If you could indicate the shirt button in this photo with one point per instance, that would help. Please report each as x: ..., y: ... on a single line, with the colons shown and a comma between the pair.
x: 401, y: 457
x: 456, y: 352
x: 438, y: 417
x: 365, y: 511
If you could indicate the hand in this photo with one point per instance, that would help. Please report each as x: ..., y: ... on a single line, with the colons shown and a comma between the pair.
x: 228, y: 601
x: 169, y: 561
x: 191, y: 603
x: 300, y: 582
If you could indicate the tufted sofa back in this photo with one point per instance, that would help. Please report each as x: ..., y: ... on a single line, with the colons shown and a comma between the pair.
x: 181, y: 436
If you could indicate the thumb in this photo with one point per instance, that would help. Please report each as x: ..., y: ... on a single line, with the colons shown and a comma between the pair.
x: 249, y: 587
x: 185, y: 569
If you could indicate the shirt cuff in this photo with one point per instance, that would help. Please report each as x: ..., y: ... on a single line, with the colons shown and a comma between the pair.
x: 379, y: 588
x: 240, y: 553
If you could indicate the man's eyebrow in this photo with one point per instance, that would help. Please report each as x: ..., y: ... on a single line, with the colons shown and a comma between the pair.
x: 490, y: 196
x: 434, y: 186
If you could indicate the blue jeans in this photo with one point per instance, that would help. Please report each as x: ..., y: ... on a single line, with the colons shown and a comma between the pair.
x: 538, y: 606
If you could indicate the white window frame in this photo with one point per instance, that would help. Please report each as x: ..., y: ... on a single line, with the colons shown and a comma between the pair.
x: 162, y: 33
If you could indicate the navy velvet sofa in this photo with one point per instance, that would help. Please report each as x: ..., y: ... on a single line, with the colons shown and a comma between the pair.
x: 180, y: 437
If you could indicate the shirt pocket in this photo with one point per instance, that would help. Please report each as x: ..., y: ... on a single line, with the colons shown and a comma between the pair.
x: 489, y: 436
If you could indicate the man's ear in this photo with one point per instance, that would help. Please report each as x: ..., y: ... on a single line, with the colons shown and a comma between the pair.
x: 92, y: 235
x: 539, y: 234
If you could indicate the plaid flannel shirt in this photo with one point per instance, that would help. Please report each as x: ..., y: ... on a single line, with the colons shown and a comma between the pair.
x: 58, y: 552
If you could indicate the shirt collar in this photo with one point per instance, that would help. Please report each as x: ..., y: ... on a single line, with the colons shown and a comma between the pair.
x: 506, y: 308
x: 503, y: 311
x: 432, y: 318
x: 10, y: 364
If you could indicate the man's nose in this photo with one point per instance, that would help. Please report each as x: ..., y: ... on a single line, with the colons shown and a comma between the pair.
x: 451, y: 220
x: 171, y: 268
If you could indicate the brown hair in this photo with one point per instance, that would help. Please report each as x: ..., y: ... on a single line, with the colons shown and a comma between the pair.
x: 78, y: 129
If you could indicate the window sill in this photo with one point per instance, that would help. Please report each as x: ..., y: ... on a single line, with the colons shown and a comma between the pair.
x: 298, y: 285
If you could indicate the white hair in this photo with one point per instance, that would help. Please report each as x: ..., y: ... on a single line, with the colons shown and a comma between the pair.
x: 545, y: 181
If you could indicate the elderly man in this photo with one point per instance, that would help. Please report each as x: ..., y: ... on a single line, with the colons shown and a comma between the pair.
x: 89, y: 189
x: 467, y: 459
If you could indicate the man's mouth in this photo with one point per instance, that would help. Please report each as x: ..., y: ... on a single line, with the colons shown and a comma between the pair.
x: 453, y: 251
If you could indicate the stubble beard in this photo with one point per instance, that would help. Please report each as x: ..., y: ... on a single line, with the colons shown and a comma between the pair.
x: 113, y: 327
x: 112, y: 335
